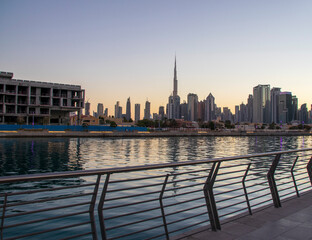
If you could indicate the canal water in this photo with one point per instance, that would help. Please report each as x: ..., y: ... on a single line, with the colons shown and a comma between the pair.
x: 39, y: 155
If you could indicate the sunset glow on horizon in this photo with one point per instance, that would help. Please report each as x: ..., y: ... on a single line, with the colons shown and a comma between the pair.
x: 116, y: 50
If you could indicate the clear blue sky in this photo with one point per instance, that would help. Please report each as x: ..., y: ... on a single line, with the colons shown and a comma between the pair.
x: 116, y: 49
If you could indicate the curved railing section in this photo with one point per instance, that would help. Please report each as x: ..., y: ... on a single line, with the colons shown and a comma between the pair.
x: 150, y: 201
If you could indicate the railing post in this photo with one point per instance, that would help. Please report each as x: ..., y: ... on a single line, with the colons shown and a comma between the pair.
x: 3, y: 214
x: 309, y: 168
x: 271, y: 180
x: 293, y: 176
x: 162, y: 206
x: 100, y: 207
x: 92, y: 205
x: 209, y: 197
x: 245, y: 189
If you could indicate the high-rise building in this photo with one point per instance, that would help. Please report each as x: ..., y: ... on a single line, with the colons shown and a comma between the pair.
x: 106, y: 112
x: 261, y: 104
x: 87, y: 108
x: 128, y: 110
x: 210, y: 108
x: 192, y: 103
x: 175, y: 79
x: 26, y: 101
x: 294, y: 108
x: 183, y: 110
x: 201, y: 111
x: 303, y: 114
x: 274, y: 111
x: 137, y: 112
x: 118, y: 110
x: 227, y: 114
x: 174, y: 100
x: 147, y: 110
x: 100, y: 109
x: 242, y: 113
x: 250, y: 108
x: 285, y: 107
x: 161, y: 112
x: 237, y: 118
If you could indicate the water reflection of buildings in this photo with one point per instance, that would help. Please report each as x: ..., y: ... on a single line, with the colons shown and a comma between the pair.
x: 24, y: 156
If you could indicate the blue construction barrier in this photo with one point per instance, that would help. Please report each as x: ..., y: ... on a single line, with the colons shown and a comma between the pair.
x: 6, y: 127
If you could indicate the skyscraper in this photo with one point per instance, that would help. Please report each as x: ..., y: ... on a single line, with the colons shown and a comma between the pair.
x: 242, y: 113
x: 174, y: 99
x: 118, y: 110
x: 87, y: 108
x: 236, y: 117
x: 100, y: 109
x: 210, y: 108
x: 175, y: 79
x: 250, y: 108
x: 192, y: 104
x: 303, y: 114
x: 294, y: 108
x: 147, y: 110
x: 261, y: 104
x: 274, y: 112
x: 285, y: 107
x: 201, y: 111
x: 128, y: 110
x: 137, y: 112
x: 161, y: 112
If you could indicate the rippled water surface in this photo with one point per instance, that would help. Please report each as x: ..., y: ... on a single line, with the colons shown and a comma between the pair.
x: 26, y: 155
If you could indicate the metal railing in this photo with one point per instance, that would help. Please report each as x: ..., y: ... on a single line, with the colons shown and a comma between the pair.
x: 151, y: 201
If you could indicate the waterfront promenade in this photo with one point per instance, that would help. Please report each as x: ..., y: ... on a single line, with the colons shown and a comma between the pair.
x: 292, y: 221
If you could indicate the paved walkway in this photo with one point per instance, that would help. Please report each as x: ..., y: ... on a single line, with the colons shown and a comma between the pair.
x: 293, y: 221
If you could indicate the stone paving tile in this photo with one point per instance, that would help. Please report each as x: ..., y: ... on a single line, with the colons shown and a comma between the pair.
x: 299, y: 233
x: 266, y: 232
x: 293, y: 221
x: 237, y: 229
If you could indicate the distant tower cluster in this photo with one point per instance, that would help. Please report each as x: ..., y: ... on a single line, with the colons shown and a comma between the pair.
x: 265, y: 105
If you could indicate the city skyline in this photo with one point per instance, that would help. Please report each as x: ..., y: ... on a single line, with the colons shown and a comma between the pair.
x: 115, y: 50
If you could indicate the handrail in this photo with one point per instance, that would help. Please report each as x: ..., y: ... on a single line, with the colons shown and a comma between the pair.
x: 149, y: 199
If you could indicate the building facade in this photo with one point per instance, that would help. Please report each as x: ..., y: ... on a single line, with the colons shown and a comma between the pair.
x: 210, y: 108
x: 87, y: 108
x: 137, y: 112
x: 173, y: 109
x: 261, y: 104
x: 128, y: 110
x: 147, y: 110
x: 274, y: 111
x: 100, y: 109
x: 32, y: 102
x: 192, y: 104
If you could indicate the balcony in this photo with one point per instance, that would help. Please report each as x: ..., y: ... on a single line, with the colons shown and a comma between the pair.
x: 9, y: 102
x: 45, y: 103
x: 22, y: 103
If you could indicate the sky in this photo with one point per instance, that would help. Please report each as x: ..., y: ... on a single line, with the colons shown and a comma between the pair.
x: 126, y: 48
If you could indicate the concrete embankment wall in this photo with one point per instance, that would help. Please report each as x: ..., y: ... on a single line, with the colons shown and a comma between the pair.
x: 47, y: 133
